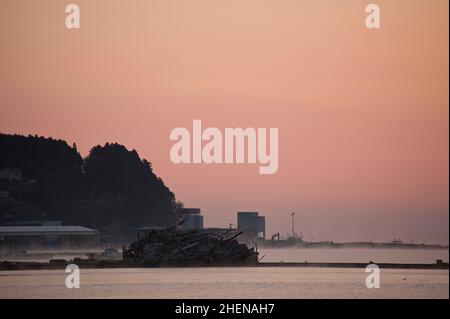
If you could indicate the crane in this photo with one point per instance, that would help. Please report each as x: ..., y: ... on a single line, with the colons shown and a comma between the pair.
x: 277, y: 236
x: 293, y: 230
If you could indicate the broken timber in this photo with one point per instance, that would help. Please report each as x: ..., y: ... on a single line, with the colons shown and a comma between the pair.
x: 174, y: 247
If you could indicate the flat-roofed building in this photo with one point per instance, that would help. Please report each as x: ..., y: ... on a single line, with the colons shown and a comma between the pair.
x: 74, y: 237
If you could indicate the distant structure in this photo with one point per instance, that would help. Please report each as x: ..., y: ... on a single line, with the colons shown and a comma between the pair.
x: 11, y: 174
x: 25, y: 237
x: 34, y: 223
x: 253, y: 224
x: 192, y: 218
x: 124, y: 236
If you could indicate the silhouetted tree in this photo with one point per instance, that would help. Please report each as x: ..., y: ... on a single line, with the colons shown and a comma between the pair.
x: 111, y: 188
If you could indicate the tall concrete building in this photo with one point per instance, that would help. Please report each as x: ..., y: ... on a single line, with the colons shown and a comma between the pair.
x: 251, y: 223
x: 192, y: 218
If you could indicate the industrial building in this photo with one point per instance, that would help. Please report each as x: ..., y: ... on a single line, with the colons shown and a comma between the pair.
x: 11, y: 174
x: 34, y: 223
x: 192, y: 218
x: 38, y: 237
x: 251, y: 223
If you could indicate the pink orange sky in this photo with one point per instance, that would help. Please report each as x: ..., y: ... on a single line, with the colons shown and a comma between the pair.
x: 362, y: 114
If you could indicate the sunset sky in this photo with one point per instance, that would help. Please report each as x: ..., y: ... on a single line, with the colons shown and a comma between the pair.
x: 362, y: 114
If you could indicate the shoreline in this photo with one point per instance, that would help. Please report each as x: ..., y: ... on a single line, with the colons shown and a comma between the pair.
x: 56, y: 264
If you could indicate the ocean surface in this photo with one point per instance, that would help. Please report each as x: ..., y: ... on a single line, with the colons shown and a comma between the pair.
x: 225, y: 283
x: 246, y: 282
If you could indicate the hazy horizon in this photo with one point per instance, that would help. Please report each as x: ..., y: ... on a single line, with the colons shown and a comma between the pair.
x: 362, y: 114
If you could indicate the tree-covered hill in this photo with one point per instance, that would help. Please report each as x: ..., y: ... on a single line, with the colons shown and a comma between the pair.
x: 110, y: 188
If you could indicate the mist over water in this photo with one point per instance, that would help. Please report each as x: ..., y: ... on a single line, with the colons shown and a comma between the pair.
x: 350, y: 255
x: 356, y: 255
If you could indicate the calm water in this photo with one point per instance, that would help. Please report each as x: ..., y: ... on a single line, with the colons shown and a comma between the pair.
x: 362, y: 255
x: 246, y: 282
x: 225, y: 283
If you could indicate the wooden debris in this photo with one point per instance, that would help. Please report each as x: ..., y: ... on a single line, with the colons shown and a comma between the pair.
x: 174, y: 247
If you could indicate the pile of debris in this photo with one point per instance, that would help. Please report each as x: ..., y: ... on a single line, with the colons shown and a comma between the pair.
x: 174, y: 247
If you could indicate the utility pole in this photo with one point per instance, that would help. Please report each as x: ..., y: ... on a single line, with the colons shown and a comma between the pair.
x: 293, y: 230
